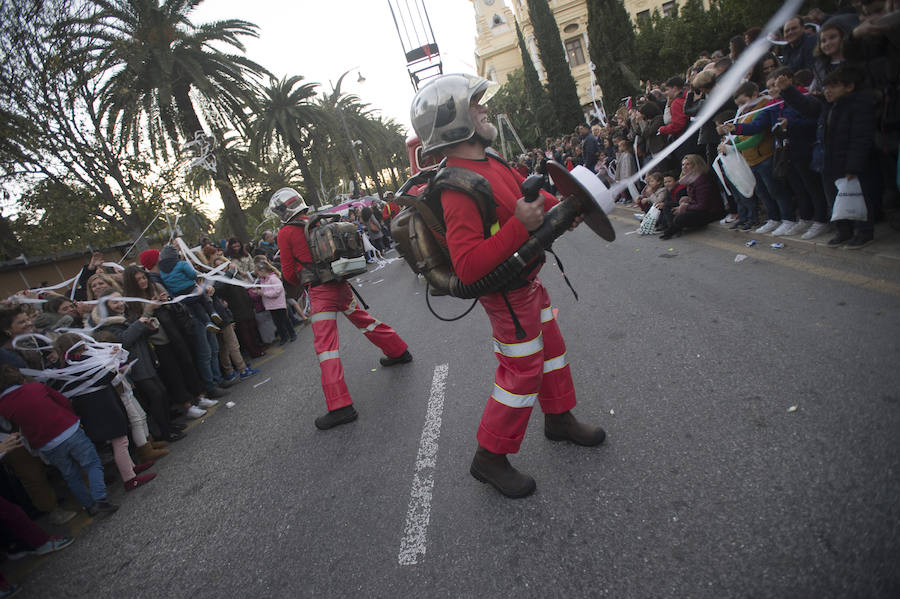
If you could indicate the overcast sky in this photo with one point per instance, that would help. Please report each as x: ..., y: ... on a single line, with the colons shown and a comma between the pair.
x: 322, y: 39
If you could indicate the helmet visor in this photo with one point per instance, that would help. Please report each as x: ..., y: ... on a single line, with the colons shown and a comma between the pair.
x: 489, y: 92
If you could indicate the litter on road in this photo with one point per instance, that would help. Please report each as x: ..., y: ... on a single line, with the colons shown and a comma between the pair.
x: 740, y: 257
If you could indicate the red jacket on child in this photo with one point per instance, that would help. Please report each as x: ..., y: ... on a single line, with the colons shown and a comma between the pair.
x: 41, y: 413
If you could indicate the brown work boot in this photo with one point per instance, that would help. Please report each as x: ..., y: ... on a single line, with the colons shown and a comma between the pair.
x: 146, y: 453
x: 564, y: 427
x: 495, y: 469
x: 157, y: 444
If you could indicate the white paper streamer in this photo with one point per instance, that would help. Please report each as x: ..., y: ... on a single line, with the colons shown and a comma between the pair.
x: 79, y: 378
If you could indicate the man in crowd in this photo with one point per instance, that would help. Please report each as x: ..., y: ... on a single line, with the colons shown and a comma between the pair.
x: 798, y: 53
x: 589, y: 147
x: 326, y: 300
x: 532, y: 365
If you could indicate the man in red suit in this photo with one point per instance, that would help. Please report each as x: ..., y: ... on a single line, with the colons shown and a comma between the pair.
x: 449, y: 117
x: 326, y: 300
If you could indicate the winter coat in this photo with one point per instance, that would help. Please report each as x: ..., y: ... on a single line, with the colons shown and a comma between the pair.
x: 178, y: 276
x: 757, y: 148
x: 703, y: 196
x: 273, y: 297
x: 101, y: 412
x: 707, y: 135
x: 679, y: 120
x: 801, y: 132
x: 845, y: 133
x: 653, y: 143
x: 133, y: 337
x: 800, y: 56
x: 238, y: 299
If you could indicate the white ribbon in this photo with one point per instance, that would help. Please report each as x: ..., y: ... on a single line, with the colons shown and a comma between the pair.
x: 79, y: 377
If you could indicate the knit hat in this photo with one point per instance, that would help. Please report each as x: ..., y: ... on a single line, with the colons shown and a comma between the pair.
x: 149, y: 258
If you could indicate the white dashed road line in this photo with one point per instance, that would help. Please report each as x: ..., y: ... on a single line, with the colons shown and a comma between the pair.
x: 413, y: 544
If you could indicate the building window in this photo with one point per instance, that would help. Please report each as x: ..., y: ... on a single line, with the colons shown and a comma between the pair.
x: 574, y: 51
x: 644, y: 14
x: 669, y: 9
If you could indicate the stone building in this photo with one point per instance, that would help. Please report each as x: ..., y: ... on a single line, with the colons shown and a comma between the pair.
x: 497, y: 50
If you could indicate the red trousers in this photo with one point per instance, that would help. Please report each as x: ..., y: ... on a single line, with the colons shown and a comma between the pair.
x: 325, y: 302
x: 529, y: 369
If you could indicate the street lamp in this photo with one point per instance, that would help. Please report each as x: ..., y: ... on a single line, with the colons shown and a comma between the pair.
x: 335, y: 90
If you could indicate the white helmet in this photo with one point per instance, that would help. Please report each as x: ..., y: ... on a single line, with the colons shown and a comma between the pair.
x: 286, y: 203
x: 440, y: 110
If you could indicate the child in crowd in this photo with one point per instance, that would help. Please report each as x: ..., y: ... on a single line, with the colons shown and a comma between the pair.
x: 653, y: 192
x: 103, y: 415
x: 626, y: 166
x: 180, y: 278
x: 50, y: 425
x: 273, y: 299
x: 845, y: 141
x: 230, y: 359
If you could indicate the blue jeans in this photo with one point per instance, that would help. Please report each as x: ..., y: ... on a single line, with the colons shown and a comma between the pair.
x: 67, y: 456
x: 206, y: 350
x: 746, y: 207
x: 773, y: 193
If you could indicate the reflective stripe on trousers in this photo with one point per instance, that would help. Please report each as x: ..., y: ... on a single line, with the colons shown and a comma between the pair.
x: 535, y: 368
x: 325, y: 302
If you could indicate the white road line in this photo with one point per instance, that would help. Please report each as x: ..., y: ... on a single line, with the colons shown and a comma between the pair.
x: 412, y: 546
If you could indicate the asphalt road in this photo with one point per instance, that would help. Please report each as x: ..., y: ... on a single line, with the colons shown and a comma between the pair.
x: 752, y: 412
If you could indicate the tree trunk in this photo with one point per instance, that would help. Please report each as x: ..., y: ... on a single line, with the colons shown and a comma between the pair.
x: 378, y: 186
x: 9, y: 243
x: 308, y: 183
x: 190, y: 123
x: 394, y: 177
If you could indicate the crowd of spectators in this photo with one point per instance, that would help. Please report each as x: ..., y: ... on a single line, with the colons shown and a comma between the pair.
x: 181, y: 358
x: 822, y: 107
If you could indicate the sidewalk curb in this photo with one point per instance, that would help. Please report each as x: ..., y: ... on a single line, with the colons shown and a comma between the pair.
x: 876, y: 251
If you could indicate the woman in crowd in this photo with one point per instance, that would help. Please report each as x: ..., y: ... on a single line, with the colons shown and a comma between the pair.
x: 109, y: 314
x: 702, y: 205
x: 99, y: 283
x: 176, y: 365
x: 238, y: 255
x: 102, y: 415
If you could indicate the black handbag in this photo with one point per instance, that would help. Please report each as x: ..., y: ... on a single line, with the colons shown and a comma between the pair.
x: 781, y: 161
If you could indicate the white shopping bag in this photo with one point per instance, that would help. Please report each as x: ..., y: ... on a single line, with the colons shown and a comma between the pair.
x: 738, y: 171
x: 849, y: 203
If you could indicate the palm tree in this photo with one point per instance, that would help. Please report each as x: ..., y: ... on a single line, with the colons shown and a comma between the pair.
x: 284, y: 110
x: 155, y: 57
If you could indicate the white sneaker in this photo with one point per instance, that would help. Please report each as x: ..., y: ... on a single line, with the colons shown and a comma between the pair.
x: 800, y: 227
x: 639, y: 216
x: 205, y: 402
x: 60, y: 516
x: 194, y: 412
x: 729, y: 218
x: 815, y: 230
x: 784, y: 227
x: 770, y: 226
